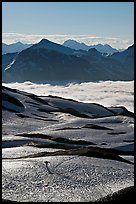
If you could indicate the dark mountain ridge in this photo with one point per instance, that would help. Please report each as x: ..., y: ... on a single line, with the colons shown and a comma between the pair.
x: 47, y: 60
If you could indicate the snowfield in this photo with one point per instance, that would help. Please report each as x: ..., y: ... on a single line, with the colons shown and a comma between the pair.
x: 68, y: 178
x: 56, y: 149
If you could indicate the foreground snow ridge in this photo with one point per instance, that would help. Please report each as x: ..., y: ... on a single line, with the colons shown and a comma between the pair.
x: 61, y: 150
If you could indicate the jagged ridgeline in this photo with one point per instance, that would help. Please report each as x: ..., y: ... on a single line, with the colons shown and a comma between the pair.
x: 47, y: 60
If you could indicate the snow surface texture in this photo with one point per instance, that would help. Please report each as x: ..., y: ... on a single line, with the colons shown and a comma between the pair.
x: 59, y: 149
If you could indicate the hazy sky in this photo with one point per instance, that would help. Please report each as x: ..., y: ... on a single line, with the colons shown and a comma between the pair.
x: 93, y: 21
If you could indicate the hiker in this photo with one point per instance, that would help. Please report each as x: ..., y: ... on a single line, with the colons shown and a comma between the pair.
x: 47, y: 162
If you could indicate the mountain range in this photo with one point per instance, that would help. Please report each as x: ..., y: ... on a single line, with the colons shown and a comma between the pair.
x: 99, y: 47
x: 14, y: 47
x: 19, y: 46
x: 47, y: 60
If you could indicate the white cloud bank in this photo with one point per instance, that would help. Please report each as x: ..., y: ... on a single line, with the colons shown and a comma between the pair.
x: 118, y: 43
x: 107, y: 93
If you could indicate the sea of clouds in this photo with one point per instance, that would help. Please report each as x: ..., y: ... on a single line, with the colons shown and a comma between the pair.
x: 107, y: 93
x: 87, y: 39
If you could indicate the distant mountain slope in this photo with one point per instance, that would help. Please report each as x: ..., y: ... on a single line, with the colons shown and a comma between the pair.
x: 126, y: 57
x: 15, y: 47
x: 124, y: 54
x: 42, y: 64
x: 47, y: 60
x: 101, y: 48
x: 76, y: 45
x: 105, y: 48
x: 7, y: 59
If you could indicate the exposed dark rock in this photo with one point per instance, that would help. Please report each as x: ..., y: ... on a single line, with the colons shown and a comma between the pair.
x: 122, y: 196
x: 93, y: 126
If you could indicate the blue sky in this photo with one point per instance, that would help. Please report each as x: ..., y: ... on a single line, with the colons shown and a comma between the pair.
x: 113, y: 20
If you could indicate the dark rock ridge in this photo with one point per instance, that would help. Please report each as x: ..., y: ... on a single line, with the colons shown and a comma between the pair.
x: 121, y: 196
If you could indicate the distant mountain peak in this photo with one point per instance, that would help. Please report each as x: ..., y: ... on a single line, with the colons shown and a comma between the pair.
x: 73, y: 44
x: 93, y: 50
x: 47, y: 44
x: 14, y: 47
x: 18, y: 43
x: 71, y: 41
x: 44, y: 40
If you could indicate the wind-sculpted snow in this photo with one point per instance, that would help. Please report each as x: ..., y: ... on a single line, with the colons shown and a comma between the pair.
x: 12, y: 103
x: 57, y: 149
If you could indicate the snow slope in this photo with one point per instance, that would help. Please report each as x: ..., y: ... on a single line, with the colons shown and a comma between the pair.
x: 62, y: 150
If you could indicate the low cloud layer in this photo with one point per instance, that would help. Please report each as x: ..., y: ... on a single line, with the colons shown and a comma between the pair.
x: 87, y: 39
x: 106, y: 93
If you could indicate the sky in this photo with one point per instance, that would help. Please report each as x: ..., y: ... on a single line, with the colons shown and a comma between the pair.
x: 88, y: 22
